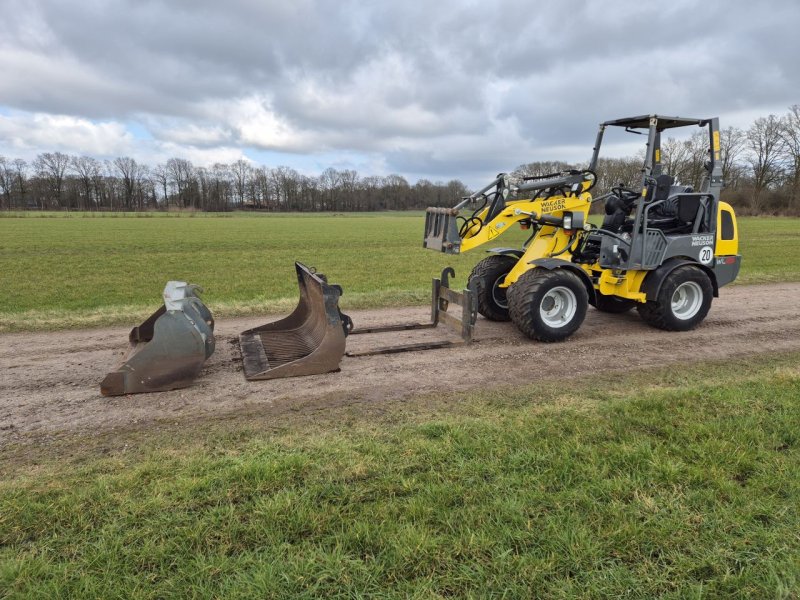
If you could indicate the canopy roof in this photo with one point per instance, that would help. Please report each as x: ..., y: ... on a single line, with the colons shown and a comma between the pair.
x: 643, y: 122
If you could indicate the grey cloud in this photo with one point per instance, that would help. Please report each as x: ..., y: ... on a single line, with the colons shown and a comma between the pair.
x: 430, y: 87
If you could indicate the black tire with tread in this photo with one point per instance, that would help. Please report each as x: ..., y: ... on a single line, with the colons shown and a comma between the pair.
x: 525, y: 297
x: 612, y: 304
x: 658, y: 313
x: 484, y: 276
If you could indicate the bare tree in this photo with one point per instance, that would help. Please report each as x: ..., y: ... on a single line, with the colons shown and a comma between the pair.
x: 181, y: 173
x: 51, y: 167
x: 615, y: 171
x: 285, y: 185
x: 790, y: 135
x: 348, y: 185
x: 6, y: 182
x: 161, y: 178
x: 21, y: 179
x: 131, y: 174
x: 260, y: 188
x: 539, y: 168
x: 221, y: 186
x: 684, y: 159
x: 329, y: 183
x: 87, y: 169
x: 242, y: 172
x: 764, y: 144
x: 732, y: 144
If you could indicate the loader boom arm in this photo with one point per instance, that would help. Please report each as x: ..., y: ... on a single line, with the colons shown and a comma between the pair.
x: 539, y: 200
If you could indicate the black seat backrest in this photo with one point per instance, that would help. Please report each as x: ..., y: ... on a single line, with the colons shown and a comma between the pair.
x: 687, y: 207
x: 670, y: 207
x: 663, y: 186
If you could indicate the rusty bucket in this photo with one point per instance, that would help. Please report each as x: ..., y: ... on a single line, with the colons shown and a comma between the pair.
x: 169, y: 348
x: 310, y: 340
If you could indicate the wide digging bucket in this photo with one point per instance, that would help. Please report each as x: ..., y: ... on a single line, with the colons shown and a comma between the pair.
x: 311, y: 340
x: 167, y: 350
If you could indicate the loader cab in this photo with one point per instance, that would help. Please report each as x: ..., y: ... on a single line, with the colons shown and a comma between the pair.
x: 661, y: 218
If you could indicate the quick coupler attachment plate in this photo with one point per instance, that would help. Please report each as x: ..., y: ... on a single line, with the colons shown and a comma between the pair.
x: 441, y: 230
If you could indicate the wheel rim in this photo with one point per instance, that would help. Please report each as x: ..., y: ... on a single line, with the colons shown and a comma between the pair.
x: 558, y: 307
x: 687, y: 300
x: 499, y: 294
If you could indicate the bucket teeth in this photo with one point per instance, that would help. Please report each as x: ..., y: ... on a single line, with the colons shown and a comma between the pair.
x: 309, y: 341
x: 169, y: 348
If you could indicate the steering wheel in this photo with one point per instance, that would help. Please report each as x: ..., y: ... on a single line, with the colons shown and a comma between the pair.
x: 625, y: 194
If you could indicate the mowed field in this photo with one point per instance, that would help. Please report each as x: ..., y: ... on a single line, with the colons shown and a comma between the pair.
x: 67, y: 272
x: 624, y: 462
x: 80, y: 270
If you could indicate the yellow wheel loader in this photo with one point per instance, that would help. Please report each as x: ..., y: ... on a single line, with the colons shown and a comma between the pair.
x: 663, y: 248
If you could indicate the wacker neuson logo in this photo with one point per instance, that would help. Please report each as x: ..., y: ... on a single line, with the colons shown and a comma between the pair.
x: 702, y: 240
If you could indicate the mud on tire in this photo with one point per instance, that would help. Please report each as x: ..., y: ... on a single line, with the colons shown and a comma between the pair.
x: 485, y: 276
x: 548, y: 306
x: 683, y: 300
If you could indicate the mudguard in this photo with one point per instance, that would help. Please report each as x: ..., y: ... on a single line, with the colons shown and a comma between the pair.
x: 560, y: 263
x: 652, y: 283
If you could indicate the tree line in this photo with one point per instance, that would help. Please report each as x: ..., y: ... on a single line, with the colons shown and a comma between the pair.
x: 57, y: 181
x: 761, y: 171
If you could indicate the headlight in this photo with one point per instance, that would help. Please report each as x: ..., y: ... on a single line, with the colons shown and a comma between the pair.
x: 572, y: 221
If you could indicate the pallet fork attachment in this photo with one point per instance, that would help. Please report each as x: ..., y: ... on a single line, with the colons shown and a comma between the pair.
x: 441, y: 298
x: 169, y: 348
x: 312, y: 339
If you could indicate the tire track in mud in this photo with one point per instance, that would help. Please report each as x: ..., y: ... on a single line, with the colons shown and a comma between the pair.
x: 50, y: 381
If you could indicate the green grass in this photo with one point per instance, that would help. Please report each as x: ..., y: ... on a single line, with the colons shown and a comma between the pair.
x: 675, y: 483
x: 769, y: 247
x: 81, y: 271
x: 85, y: 270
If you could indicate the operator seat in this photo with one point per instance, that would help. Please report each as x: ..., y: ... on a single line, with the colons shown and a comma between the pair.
x: 679, y: 206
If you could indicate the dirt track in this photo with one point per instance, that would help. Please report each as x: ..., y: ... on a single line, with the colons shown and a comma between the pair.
x: 49, y: 381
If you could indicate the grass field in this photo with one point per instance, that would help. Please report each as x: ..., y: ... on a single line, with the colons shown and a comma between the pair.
x: 84, y: 270
x: 681, y: 483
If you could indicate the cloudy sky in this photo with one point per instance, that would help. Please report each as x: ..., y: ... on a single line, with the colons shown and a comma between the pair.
x: 435, y: 89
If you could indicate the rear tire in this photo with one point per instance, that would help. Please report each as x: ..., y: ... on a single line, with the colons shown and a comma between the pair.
x: 612, y: 304
x: 683, y: 301
x: 548, y: 306
x: 486, y: 277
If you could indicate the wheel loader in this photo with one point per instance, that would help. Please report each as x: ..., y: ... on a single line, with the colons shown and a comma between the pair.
x: 662, y: 248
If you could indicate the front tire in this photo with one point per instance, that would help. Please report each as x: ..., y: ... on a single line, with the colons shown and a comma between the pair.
x: 683, y: 301
x: 548, y: 306
x: 487, y: 276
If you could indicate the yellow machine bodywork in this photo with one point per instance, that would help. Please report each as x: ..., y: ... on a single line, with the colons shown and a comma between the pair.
x: 553, y: 241
x: 550, y: 240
